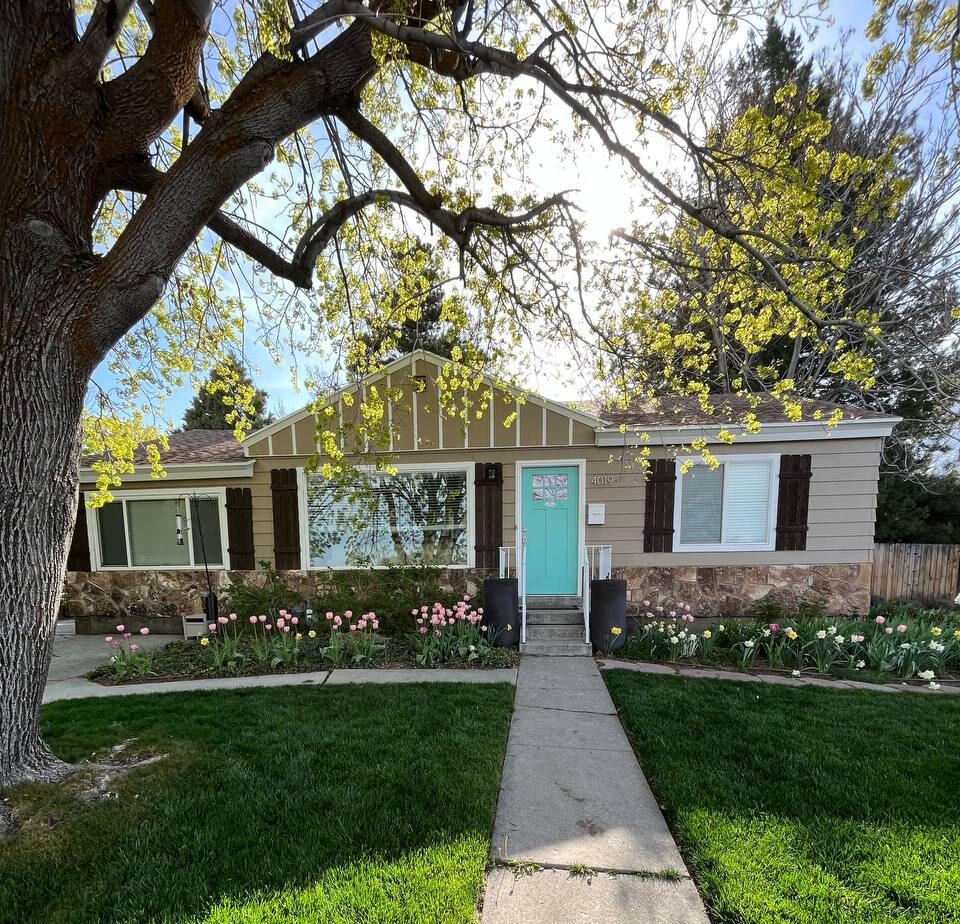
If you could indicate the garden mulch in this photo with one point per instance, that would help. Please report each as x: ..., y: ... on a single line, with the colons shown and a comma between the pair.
x: 782, y: 679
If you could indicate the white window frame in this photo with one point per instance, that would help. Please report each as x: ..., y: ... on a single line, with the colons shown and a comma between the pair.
x: 466, y: 467
x: 93, y: 529
x: 773, y: 460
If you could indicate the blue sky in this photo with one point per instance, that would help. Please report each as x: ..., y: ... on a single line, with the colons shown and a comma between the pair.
x: 546, y: 377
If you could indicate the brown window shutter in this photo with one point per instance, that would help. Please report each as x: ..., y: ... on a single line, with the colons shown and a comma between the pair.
x: 658, y: 510
x: 488, y: 514
x: 793, y: 501
x: 286, y: 519
x: 78, y: 558
x: 240, y: 529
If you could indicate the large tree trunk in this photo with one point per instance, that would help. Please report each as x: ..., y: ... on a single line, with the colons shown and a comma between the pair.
x: 41, y: 399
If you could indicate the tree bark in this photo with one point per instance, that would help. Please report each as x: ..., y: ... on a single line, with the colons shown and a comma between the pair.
x: 41, y: 399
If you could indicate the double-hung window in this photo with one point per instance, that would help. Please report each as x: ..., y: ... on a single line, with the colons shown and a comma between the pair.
x: 731, y: 507
x: 152, y: 529
x: 421, y: 515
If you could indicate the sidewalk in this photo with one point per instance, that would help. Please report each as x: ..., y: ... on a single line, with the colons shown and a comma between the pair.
x: 574, y: 801
x: 704, y: 673
x: 79, y: 688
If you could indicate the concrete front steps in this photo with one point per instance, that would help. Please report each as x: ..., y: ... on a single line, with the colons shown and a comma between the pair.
x: 555, y: 628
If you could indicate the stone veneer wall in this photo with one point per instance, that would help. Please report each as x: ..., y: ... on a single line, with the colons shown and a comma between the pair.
x: 731, y: 590
x: 151, y: 596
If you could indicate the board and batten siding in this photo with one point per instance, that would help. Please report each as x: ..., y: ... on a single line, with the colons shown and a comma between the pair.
x: 843, y: 492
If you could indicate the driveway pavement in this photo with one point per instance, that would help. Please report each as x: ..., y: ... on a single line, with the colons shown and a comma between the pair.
x: 76, y: 655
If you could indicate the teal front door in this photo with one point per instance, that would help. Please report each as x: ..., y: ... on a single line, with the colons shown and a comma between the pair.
x: 550, y: 517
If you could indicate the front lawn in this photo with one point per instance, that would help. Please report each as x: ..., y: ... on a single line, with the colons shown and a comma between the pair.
x: 805, y: 805
x: 336, y: 804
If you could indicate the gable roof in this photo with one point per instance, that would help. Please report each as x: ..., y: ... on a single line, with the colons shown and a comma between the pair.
x: 576, y: 413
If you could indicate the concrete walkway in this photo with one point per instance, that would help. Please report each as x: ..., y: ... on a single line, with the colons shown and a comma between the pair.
x: 79, y: 688
x: 574, y: 801
x: 77, y: 655
x: 782, y: 680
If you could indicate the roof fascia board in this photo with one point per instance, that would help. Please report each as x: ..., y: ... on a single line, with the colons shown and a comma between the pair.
x: 181, y: 471
x: 769, y: 432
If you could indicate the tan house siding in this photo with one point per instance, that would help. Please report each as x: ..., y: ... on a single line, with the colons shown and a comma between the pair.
x: 843, y: 493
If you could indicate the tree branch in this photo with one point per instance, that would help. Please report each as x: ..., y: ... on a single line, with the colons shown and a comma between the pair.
x: 99, y: 37
x: 144, y: 100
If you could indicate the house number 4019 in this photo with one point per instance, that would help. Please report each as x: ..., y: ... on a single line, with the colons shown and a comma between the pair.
x: 604, y: 480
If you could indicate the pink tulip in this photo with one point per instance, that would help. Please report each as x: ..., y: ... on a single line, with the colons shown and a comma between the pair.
x: 337, y: 621
x: 295, y: 620
x: 436, y: 632
x: 329, y: 615
x: 353, y: 628
x: 280, y: 622
x: 212, y: 627
x: 144, y: 631
x: 376, y: 624
x: 262, y: 618
x: 222, y: 620
x: 774, y: 627
x: 286, y: 628
x: 269, y: 625
x: 901, y: 628
x: 414, y: 612
x: 127, y: 634
x: 134, y: 647
x: 233, y: 617
x: 466, y: 598
x: 348, y: 614
x: 880, y: 620
x: 109, y: 638
x: 480, y: 610
x: 115, y: 642
x: 423, y: 630
x: 888, y: 630
x: 120, y: 628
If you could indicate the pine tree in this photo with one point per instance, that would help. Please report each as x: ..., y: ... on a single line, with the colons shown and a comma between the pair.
x: 228, y: 394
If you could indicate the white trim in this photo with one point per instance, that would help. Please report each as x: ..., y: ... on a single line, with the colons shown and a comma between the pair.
x: 570, y: 432
x: 769, y: 432
x: 516, y: 421
x: 491, y: 409
x: 416, y: 408
x: 773, y: 459
x: 293, y: 439
x: 93, y: 529
x: 581, y: 464
x: 181, y: 471
x: 469, y: 468
x: 543, y: 426
x: 390, y: 410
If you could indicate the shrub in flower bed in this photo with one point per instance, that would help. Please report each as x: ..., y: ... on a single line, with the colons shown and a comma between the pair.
x: 925, y: 646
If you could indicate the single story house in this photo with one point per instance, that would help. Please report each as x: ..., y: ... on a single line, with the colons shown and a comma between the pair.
x: 789, y: 509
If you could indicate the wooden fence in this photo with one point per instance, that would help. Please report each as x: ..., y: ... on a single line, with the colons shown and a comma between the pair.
x: 915, y: 571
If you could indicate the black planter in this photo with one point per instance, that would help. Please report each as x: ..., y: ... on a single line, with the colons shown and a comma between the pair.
x: 608, y: 611
x: 500, y: 597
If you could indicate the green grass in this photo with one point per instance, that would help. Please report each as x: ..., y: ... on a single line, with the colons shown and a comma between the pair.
x: 805, y: 805
x: 335, y: 804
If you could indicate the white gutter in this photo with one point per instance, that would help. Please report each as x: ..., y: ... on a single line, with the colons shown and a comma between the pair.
x: 184, y: 471
x: 769, y: 432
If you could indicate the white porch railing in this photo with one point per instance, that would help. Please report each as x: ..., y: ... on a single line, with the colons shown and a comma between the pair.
x: 596, y: 565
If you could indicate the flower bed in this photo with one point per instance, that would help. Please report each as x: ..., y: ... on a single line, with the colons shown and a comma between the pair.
x: 912, y: 645
x: 440, y: 635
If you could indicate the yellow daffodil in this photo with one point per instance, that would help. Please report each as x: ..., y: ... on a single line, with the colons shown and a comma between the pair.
x: 204, y: 641
x: 707, y: 633
x: 936, y: 631
x: 616, y: 630
x: 312, y: 633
